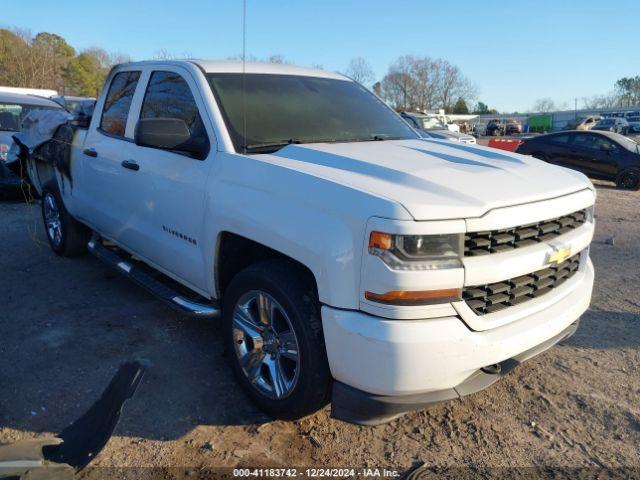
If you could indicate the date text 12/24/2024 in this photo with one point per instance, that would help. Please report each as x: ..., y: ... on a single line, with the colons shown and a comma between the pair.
x: 315, y: 472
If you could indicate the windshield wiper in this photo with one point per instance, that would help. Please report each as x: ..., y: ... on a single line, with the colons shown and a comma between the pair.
x: 267, y: 147
x: 381, y: 138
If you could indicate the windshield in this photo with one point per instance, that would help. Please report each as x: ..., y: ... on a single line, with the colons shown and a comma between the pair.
x: 432, y: 123
x: 283, y: 109
x: 607, y: 122
x: 628, y: 143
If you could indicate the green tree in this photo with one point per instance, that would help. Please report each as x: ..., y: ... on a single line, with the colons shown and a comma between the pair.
x: 85, y: 75
x: 483, y: 109
x: 460, y: 107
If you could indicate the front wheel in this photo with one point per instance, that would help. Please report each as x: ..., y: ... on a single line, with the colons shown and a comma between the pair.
x: 67, y: 237
x: 274, y: 339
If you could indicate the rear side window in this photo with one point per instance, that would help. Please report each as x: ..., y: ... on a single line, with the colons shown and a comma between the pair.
x: 169, y: 96
x: 561, y: 139
x: 118, y: 102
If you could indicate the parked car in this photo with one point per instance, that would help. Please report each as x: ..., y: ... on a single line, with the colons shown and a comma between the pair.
x: 617, y: 125
x: 349, y: 258
x: 13, y: 108
x: 634, y: 124
x: 513, y: 127
x: 496, y: 127
x: 79, y: 104
x: 479, y: 129
x: 433, y: 128
x: 584, y: 123
x: 598, y: 154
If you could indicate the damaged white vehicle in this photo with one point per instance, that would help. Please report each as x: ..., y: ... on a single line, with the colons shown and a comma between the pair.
x: 351, y: 260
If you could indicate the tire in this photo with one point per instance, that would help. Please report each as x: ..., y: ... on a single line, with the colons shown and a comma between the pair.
x: 257, y: 348
x: 629, y: 179
x: 67, y: 237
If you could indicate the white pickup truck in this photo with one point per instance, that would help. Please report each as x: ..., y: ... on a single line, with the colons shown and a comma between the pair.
x: 349, y: 259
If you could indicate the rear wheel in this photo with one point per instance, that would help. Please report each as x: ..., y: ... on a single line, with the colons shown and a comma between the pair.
x: 629, y: 179
x: 67, y: 237
x: 275, y: 340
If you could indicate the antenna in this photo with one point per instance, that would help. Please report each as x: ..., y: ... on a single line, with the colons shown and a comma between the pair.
x: 244, y: 72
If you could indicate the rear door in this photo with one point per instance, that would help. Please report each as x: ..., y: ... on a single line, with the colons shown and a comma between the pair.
x: 167, y: 191
x: 104, y: 198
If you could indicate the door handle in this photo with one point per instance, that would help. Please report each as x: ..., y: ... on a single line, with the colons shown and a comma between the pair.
x: 90, y: 152
x: 131, y: 165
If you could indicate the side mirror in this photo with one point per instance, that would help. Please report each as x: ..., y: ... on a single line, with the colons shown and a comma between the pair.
x: 168, y: 134
x: 81, y: 121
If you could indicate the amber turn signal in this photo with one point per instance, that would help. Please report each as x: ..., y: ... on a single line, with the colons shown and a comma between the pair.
x: 413, y: 298
x: 380, y: 240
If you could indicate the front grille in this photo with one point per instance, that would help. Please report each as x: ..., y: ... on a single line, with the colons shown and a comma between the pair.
x: 497, y: 296
x: 496, y: 241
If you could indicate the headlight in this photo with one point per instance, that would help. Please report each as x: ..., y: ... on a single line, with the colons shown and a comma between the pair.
x: 418, y: 252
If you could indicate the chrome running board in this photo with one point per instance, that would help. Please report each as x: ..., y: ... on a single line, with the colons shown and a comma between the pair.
x: 161, y: 290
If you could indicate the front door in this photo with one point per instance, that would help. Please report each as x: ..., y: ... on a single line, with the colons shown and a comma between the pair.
x: 168, y: 188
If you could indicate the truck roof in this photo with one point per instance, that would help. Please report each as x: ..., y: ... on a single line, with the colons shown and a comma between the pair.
x: 235, y: 66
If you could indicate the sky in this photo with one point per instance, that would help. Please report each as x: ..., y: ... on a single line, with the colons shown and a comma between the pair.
x: 513, y: 51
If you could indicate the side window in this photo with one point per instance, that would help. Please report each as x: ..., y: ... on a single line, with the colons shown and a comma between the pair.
x: 604, y: 144
x: 560, y: 139
x: 584, y: 141
x: 118, y: 102
x: 169, y: 96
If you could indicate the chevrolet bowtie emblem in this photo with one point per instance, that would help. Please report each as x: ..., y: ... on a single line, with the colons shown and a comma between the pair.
x: 559, y: 255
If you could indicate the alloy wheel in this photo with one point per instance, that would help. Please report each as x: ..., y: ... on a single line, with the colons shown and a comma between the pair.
x: 52, y: 219
x: 265, y: 344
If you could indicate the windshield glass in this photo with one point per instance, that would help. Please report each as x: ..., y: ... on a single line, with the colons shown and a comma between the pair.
x: 283, y: 109
x: 628, y: 143
x: 432, y: 123
x: 607, y: 122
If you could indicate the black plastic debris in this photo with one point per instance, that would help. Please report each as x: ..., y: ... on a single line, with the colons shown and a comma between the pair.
x: 87, y: 436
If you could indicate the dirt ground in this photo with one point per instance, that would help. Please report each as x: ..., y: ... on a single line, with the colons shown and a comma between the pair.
x: 66, y: 325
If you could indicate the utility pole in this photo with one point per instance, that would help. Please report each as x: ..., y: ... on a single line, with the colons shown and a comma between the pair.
x: 575, y: 108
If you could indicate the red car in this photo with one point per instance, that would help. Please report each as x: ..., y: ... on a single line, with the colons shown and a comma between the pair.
x: 513, y: 127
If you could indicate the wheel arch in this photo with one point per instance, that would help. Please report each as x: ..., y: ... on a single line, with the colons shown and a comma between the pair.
x: 236, y: 252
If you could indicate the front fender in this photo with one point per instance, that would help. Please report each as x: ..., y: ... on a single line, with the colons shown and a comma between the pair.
x: 317, y: 222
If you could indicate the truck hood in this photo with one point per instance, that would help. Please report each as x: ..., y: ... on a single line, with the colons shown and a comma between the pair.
x: 433, y: 179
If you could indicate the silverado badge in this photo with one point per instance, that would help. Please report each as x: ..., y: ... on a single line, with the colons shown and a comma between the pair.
x: 559, y: 255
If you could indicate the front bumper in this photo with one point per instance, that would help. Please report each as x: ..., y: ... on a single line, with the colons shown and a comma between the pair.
x: 400, y: 365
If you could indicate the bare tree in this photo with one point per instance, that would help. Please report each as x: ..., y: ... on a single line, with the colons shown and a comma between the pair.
x: 422, y: 83
x: 600, y: 101
x: 543, y: 105
x: 360, y: 71
x: 452, y: 85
